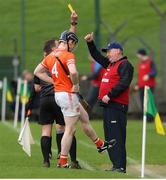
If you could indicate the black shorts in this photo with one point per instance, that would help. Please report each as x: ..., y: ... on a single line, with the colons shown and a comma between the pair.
x: 50, y: 111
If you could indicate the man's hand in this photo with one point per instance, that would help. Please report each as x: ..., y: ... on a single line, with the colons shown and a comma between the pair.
x: 74, y: 17
x: 76, y: 88
x: 37, y: 87
x: 146, y: 77
x: 106, y: 99
x: 29, y: 112
x: 89, y: 37
x: 136, y: 88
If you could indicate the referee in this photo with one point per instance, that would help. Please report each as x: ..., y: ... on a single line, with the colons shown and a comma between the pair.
x: 114, y: 97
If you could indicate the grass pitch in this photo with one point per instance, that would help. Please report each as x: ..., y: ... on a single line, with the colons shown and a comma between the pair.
x: 47, y: 19
x: 14, y: 163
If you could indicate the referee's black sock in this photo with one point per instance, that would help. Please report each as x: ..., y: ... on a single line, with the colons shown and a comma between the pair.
x: 50, y: 153
x: 73, y: 150
x: 45, y: 147
x: 58, y: 140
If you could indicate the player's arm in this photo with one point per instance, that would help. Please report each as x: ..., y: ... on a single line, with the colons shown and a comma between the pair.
x: 30, y: 103
x: 153, y: 71
x: 74, y: 76
x: 40, y: 72
x: 73, y: 21
x: 94, y: 52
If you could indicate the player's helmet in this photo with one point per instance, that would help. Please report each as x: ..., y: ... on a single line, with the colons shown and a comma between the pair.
x: 66, y: 36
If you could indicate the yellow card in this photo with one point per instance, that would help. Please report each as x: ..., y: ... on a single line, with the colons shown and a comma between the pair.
x: 70, y: 8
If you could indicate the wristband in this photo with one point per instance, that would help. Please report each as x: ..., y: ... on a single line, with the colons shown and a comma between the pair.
x: 74, y: 23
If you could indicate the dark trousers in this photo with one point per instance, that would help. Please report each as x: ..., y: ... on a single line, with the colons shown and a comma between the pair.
x: 115, y: 122
x: 141, y: 94
x: 93, y: 95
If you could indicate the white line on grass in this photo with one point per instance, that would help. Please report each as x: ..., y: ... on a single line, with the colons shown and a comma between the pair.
x: 83, y: 163
x: 149, y: 172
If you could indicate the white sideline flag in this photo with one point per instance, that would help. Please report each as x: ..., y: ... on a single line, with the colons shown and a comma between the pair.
x: 25, y: 138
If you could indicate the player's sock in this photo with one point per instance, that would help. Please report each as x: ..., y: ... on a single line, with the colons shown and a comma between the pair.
x: 59, y: 136
x: 73, y: 150
x: 99, y: 142
x: 50, y: 153
x: 45, y: 147
x: 63, y: 160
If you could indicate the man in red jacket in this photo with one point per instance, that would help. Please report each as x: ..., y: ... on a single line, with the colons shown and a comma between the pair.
x: 114, y: 97
x: 146, y: 74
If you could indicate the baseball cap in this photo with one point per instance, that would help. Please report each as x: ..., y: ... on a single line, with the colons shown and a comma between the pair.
x: 142, y: 52
x: 113, y: 45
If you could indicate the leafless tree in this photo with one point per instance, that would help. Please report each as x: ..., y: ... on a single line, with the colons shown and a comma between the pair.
x: 162, y: 16
x: 113, y: 33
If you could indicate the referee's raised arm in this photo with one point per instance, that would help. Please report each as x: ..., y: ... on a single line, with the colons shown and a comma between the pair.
x: 95, y: 53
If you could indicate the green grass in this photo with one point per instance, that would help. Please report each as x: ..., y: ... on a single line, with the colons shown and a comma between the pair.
x: 14, y: 163
x: 47, y: 19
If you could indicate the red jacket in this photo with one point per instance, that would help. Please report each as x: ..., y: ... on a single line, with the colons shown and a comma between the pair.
x: 109, y: 81
x: 144, y: 68
x: 97, y: 80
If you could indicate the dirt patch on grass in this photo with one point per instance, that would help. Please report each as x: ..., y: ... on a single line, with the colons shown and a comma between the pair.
x: 151, y: 171
x: 159, y: 169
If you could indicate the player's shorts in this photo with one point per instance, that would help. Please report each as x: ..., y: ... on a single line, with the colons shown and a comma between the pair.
x: 50, y: 111
x: 68, y: 102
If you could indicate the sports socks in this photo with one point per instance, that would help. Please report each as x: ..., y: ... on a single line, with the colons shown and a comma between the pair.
x: 45, y: 147
x: 59, y: 136
x: 73, y: 150
x: 63, y: 160
x: 50, y: 153
x: 99, y: 142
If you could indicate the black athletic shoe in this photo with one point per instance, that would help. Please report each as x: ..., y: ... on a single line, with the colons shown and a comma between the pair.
x: 46, y: 164
x: 75, y: 165
x: 120, y: 170
x: 107, y: 145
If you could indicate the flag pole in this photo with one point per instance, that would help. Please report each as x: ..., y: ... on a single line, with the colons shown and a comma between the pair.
x: 3, y: 110
x: 23, y: 103
x: 17, y: 102
x: 144, y: 132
